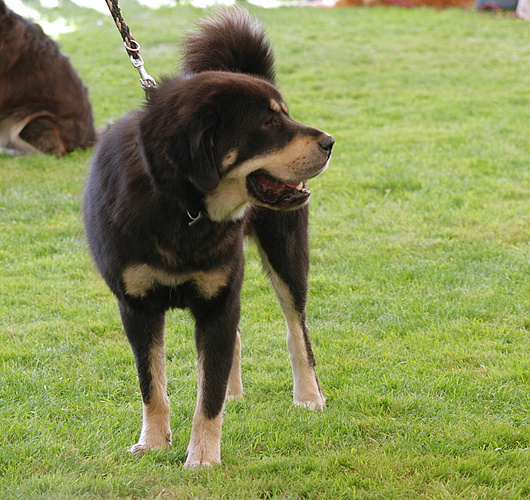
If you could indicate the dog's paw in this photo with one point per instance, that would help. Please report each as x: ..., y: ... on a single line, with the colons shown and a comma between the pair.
x: 235, y: 388
x: 201, y: 460
x: 190, y: 464
x: 203, y: 453
x: 138, y: 449
x: 234, y: 396
x: 144, y: 445
x: 316, y: 402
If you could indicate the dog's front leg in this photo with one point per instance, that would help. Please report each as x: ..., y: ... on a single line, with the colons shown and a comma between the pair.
x: 145, y: 331
x: 216, y: 336
x: 282, y: 239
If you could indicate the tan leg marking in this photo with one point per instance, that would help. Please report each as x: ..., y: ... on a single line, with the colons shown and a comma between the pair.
x: 235, y: 383
x: 204, y: 447
x: 306, y: 391
x: 156, y: 432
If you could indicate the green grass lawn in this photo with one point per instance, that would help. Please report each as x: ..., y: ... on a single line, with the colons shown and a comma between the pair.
x: 419, y: 289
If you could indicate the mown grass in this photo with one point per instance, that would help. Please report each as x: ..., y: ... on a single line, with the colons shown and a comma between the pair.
x: 419, y: 285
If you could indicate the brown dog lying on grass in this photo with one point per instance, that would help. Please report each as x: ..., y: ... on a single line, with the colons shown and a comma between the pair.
x: 44, y: 107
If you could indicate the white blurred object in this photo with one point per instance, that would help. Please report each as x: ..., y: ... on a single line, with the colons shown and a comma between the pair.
x: 156, y: 4
x: 98, y: 5
x: 56, y: 27
x: 203, y: 4
x: 49, y: 4
x: 267, y: 4
x: 523, y: 9
x: 53, y: 28
x: 19, y: 7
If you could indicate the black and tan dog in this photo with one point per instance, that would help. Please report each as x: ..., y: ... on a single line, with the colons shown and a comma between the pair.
x: 172, y: 191
x: 44, y: 107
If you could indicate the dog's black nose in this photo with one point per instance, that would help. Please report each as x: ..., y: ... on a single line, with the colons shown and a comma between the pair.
x: 326, y: 142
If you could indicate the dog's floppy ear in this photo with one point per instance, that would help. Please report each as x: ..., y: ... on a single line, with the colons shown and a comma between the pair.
x: 202, y: 171
x: 177, y: 142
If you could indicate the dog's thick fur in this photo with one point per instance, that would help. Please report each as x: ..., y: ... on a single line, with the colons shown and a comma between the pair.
x: 44, y: 107
x: 172, y: 191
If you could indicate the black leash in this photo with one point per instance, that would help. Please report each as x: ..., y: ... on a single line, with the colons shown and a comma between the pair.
x: 131, y: 46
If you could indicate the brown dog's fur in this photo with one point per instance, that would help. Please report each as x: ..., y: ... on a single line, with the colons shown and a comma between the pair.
x: 44, y: 106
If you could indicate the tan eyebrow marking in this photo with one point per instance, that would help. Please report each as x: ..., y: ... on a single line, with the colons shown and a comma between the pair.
x: 278, y: 106
x: 274, y: 105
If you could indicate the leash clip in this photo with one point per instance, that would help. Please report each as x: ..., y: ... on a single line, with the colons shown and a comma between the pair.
x: 131, y: 46
x: 146, y: 79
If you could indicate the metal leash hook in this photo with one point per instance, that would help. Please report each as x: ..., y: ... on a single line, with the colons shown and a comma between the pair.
x: 131, y: 46
x: 147, y: 81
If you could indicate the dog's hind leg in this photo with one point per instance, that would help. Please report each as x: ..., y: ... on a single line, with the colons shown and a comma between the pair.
x: 43, y: 133
x: 216, y: 338
x: 10, y: 127
x: 31, y: 133
x: 145, y: 331
x: 235, y: 384
x: 283, y: 245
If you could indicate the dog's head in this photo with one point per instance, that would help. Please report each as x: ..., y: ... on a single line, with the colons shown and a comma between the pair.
x: 230, y: 136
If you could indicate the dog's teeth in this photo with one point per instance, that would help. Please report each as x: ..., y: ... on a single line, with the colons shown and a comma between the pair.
x: 300, y: 186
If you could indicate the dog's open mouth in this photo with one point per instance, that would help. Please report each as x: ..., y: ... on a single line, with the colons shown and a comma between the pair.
x: 274, y: 192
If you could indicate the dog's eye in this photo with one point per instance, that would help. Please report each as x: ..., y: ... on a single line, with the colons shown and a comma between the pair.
x: 271, y: 122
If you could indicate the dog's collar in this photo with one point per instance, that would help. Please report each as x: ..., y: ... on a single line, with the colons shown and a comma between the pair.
x: 194, y: 219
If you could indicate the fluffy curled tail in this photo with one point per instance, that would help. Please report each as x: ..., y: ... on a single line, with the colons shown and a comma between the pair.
x: 232, y: 41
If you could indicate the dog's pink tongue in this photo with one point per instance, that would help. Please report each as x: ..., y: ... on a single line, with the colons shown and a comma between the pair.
x: 278, y: 187
x: 271, y: 184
